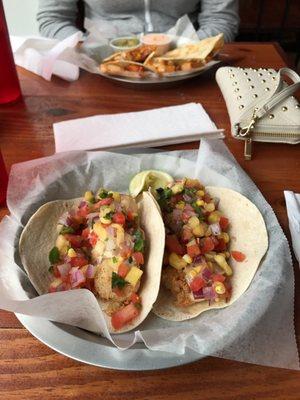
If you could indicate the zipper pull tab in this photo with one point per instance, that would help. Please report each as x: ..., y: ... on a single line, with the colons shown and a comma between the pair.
x: 248, y: 148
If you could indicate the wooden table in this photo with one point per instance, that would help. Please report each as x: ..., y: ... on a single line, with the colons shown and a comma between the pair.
x: 29, y: 369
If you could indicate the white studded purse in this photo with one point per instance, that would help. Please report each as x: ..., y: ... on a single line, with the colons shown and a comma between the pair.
x: 260, y: 105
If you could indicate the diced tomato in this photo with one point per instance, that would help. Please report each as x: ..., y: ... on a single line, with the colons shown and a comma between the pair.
x: 187, y: 234
x: 218, y: 278
x: 56, y: 272
x: 78, y: 261
x: 224, y: 222
x: 138, y: 258
x: 83, y: 211
x: 177, y: 197
x: 135, y: 298
x: 197, y: 284
x: 238, y: 256
x: 119, y: 218
x: 130, y: 216
x: 75, y: 240
x: 221, y: 246
x: 193, y: 250
x: 93, y: 238
x: 123, y: 270
x: 173, y: 245
x: 125, y: 251
x: 207, y: 198
x: 208, y: 245
x: 134, y: 68
x: 85, y: 233
x: 123, y: 316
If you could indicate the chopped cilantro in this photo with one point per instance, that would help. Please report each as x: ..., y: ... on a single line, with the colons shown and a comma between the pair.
x: 54, y: 255
x: 103, y: 194
x: 198, y: 211
x: 117, y: 281
x: 109, y: 215
x: 66, y: 229
x: 139, y: 242
x: 163, y: 196
x: 190, y: 191
x: 115, y: 260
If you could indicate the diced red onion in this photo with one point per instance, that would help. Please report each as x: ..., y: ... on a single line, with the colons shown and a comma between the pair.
x: 77, y: 277
x: 90, y: 272
x: 82, y: 204
x: 206, y: 274
x: 199, y: 294
x: 209, y: 293
x: 110, y: 231
x: 188, y: 207
x: 215, y: 228
x: 177, y: 214
x: 200, y: 260
x: 93, y: 215
x: 64, y: 269
x: 187, y: 198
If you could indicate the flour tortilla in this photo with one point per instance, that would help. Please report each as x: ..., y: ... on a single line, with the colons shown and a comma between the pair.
x: 196, y: 51
x: 248, y: 234
x: 40, y: 234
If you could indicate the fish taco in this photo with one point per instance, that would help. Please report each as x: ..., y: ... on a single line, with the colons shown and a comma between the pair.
x: 108, y: 243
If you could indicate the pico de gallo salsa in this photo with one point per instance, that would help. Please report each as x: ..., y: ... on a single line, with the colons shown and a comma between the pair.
x: 196, y: 258
x: 100, y: 247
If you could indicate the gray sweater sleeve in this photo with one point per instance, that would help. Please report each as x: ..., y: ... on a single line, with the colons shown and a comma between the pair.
x: 219, y: 16
x: 57, y: 18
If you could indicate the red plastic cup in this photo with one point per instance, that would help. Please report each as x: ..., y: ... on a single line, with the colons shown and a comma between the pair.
x: 9, y: 83
x: 3, y: 181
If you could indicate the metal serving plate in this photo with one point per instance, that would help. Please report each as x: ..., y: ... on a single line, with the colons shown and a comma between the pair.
x: 161, y: 80
x: 91, y: 349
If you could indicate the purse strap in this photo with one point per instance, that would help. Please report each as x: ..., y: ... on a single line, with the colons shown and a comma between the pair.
x: 281, y: 93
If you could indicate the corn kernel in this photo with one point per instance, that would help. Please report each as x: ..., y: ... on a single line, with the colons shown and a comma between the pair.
x: 177, y: 188
x: 180, y: 205
x: 193, y: 222
x: 208, y: 232
x: 200, y: 203
x: 221, y: 261
x: 176, y: 261
x: 116, y: 196
x: 224, y: 236
x: 219, y: 288
x: 200, y: 193
x: 72, y: 253
x: 191, y: 274
x: 199, y: 230
x: 214, y: 217
x: 197, y: 269
x: 210, y: 207
x: 227, y: 254
x: 88, y: 196
x: 210, y: 256
x: 187, y: 259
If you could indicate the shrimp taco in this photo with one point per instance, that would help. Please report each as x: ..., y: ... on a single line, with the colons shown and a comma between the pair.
x: 215, y: 240
x: 108, y: 243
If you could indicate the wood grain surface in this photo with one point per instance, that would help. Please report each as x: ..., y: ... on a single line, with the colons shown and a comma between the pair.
x: 31, y: 370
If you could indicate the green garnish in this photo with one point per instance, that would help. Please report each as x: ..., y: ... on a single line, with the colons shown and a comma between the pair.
x: 139, y: 243
x: 163, y: 196
x: 54, y: 255
x: 66, y: 229
x: 109, y: 215
x: 190, y: 191
x: 115, y: 260
x: 50, y: 269
x: 198, y: 211
x: 117, y: 281
x: 103, y: 194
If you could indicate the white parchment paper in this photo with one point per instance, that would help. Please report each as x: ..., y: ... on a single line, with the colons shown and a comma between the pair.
x: 257, y: 328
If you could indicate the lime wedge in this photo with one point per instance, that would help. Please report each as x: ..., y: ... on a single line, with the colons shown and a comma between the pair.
x: 146, y: 179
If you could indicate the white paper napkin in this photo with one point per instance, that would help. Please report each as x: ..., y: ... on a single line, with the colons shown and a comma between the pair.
x: 41, y: 56
x: 160, y: 126
x: 293, y: 210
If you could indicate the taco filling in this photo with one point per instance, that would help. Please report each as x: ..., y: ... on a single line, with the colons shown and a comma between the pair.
x: 100, y: 246
x: 196, y: 260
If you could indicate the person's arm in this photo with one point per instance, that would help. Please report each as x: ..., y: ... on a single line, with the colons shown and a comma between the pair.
x: 57, y: 18
x: 219, y: 16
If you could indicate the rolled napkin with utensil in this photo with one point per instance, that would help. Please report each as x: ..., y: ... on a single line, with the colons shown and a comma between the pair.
x: 157, y: 127
x: 292, y: 201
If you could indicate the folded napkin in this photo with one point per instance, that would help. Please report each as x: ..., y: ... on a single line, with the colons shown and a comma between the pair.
x: 41, y: 56
x: 293, y: 210
x: 160, y: 126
